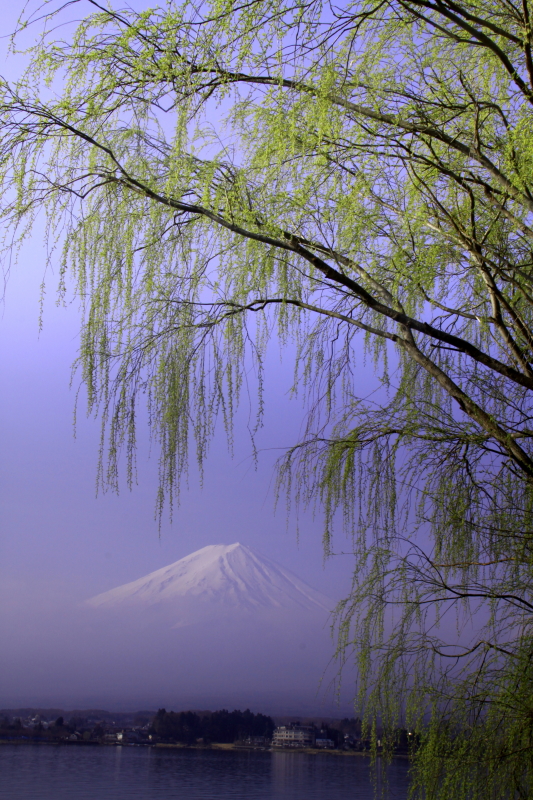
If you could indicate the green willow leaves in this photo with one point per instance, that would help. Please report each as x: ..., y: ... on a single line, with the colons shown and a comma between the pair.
x: 217, y: 175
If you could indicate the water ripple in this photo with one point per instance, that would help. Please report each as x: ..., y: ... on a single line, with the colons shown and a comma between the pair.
x: 40, y: 772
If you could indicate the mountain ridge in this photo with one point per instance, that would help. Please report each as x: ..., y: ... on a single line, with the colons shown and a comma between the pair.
x: 223, y: 576
x: 222, y: 627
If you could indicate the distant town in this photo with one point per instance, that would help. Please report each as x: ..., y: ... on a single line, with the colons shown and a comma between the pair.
x: 198, y: 729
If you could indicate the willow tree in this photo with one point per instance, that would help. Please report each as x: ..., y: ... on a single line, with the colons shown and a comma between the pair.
x: 219, y: 174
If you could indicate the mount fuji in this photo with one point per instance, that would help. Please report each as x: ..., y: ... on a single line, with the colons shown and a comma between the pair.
x: 224, y: 622
x: 224, y: 627
x: 219, y: 579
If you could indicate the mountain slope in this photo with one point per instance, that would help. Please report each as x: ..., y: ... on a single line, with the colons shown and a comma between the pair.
x: 222, y: 577
x: 223, y: 627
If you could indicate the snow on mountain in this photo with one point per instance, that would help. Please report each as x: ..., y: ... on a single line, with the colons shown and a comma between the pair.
x: 225, y: 577
x: 222, y: 627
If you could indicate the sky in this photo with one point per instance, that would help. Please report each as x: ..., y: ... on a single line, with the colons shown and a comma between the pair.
x: 61, y: 544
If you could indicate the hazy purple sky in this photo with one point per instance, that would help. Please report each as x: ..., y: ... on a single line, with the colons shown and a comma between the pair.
x: 59, y: 543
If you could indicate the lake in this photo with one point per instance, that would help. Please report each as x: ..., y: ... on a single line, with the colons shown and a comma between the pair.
x: 52, y: 772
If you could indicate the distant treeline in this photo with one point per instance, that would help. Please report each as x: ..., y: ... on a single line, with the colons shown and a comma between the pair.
x: 220, y: 726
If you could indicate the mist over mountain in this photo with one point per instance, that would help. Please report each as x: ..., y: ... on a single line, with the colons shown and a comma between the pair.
x: 224, y: 626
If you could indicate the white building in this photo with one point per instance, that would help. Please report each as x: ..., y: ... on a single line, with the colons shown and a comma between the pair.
x: 293, y: 736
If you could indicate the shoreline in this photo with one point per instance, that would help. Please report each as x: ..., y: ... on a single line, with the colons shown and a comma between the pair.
x: 220, y: 746
x: 310, y: 751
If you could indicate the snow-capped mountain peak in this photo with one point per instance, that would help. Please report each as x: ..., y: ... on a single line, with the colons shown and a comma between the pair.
x: 229, y: 576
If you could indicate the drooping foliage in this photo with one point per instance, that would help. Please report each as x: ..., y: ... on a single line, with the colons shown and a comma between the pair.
x: 216, y: 175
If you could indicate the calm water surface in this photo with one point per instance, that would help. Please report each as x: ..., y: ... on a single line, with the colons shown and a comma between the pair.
x: 41, y: 772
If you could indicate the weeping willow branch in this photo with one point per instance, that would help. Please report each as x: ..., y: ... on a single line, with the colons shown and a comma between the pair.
x: 213, y: 177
